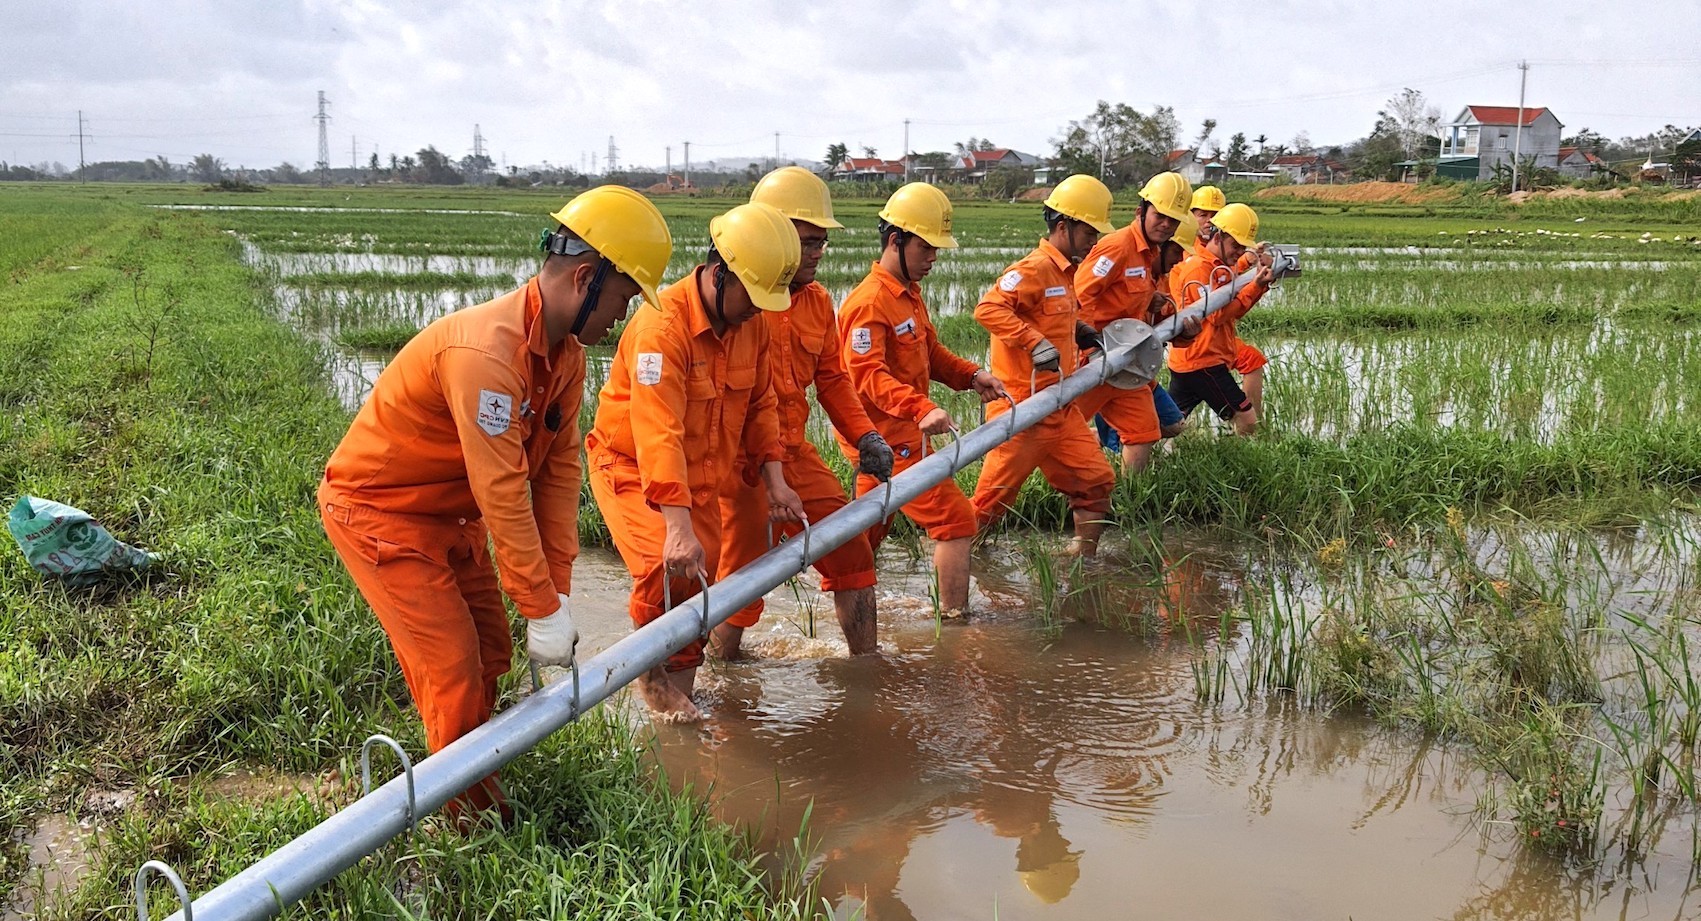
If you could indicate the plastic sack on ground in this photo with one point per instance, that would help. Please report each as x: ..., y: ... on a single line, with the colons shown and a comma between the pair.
x: 62, y: 541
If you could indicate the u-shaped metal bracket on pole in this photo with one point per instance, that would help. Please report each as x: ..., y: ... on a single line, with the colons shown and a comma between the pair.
x: 1223, y: 269
x: 171, y: 877
x: 806, y: 559
x: 1012, y: 400
x: 407, y: 771
x: 703, y: 579
x: 956, y: 455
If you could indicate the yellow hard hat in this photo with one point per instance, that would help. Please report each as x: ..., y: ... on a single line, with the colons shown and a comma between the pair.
x: 1238, y: 221
x: 922, y: 210
x: 1085, y: 199
x: 799, y: 194
x: 1208, y: 198
x: 625, y: 228
x: 1186, y: 232
x: 760, y: 246
x: 1170, y: 193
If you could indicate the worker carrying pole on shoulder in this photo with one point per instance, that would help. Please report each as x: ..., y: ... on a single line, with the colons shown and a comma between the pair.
x: 1036, y: 328
x: 1200, y: 371
x: 803, y: 350
x: 470, y: 437
x: 689, y: 393
x: 892, y: 352
x: 1122, y: 278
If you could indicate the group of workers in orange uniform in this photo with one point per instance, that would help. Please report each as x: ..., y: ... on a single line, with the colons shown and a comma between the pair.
x: 698, y: 455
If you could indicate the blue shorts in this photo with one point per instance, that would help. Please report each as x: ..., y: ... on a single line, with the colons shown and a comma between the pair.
x: 1168, y: 413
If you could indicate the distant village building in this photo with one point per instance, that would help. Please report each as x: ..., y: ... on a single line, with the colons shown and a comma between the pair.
x: 1308, y: 169
x: 1483, y: 137
x: 869, y: 169
x: 1578, y: 163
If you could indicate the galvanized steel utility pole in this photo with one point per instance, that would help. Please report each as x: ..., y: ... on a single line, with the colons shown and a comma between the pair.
x: 1132, y: 355
x: 324, y: 118
x: 1518, y: 129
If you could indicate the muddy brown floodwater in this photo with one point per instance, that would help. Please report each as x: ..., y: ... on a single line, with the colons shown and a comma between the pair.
x: 999, y: 770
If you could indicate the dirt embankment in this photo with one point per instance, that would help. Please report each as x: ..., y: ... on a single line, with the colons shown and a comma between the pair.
x: 1373, y: 193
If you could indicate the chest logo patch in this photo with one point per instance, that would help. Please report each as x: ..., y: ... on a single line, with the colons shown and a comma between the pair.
x: 906, y: 328
x: 1058, y: 291
x: 495, y: 412
x: 862, y: 341
x: 1136, y: 271
x: 649, y: 368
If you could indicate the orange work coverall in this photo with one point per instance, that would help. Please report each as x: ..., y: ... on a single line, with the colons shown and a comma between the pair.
x: 1117, y: 280
x: 1034, y: 301
x: 803, y: 349
x: 680, y: 407
x: 891, y: 351
x: 472, y: 415
x: 1217, y: 343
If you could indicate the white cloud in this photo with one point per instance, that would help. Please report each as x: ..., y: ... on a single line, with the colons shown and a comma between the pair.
x: 553, y: 80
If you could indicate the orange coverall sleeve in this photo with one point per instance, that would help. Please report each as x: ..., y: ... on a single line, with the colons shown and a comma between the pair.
x: 762, y: 421
x: 997, y: 312
x: 945, y: 367
x: 657, y: 407
x: 836, y: 393
x: 869, y: 371
x: 1197, y: 270
x: 1096, y: 282
x: 556, y: 489
x: 472, y: 381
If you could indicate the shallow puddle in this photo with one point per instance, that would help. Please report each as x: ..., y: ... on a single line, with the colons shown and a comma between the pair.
x: 999, y: 769
x: 60, y: 856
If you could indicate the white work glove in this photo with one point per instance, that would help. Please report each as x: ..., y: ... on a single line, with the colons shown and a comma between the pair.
x: 551, y: 640
x: 1045, y: 356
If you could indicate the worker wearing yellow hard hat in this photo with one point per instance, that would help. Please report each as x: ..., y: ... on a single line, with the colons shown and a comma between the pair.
x: 1037, y: 332
x: 1123, y: 277
x: 1200, y: 372
x: 803, y: 352
x: 470, y: 438
x: 892, y: 352
x: 1248, y: 361
x: 689, y: 393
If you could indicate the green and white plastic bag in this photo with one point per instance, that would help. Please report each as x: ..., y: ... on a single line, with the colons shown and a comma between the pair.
x: 62, y: 541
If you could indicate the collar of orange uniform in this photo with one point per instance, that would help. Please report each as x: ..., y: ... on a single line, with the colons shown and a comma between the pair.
x: 696, y: 312
x: 1204, y: 253
x: 892, y: 284
x: 1054, y: 254
x: 537, y: 331
x: 1139, y: 234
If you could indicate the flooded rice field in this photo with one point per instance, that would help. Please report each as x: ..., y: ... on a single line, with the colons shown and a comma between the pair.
x: 1225, y: 727
x: 1065, y: 766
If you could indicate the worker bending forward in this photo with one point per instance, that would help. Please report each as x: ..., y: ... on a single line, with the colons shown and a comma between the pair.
x: 471, y: 436
x: 892, y: 351
x: 1032, y: 315
x: 688, y: 393
x: 803, y: 349
x: 1199, y: 372
x: 1248, y: 361
x: 1123, y: 278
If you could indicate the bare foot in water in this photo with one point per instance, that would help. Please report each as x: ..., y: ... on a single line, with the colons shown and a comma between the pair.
x: 667, y: 703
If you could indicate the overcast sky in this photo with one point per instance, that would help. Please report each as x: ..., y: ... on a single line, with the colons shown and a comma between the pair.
x: 552, y: 81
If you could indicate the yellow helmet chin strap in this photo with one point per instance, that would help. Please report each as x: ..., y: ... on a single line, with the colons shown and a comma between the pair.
x: 557, y: 243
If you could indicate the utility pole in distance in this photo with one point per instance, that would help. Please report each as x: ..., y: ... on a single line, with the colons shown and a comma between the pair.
x: 1518, y: 130
x: 688, y: 164
x: 324, y: 118
x: 905, y: 153
x: 82, y: 174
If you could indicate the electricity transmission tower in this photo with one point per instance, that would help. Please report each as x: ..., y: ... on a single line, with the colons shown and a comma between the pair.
x: 613, y: 154
x: 324, y: 119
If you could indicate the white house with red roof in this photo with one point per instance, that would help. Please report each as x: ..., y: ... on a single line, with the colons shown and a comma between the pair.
x: 1483, y: 137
